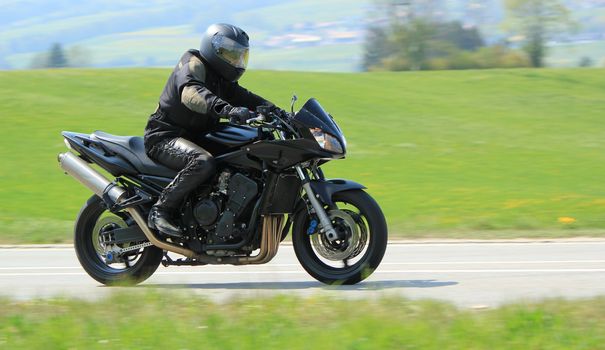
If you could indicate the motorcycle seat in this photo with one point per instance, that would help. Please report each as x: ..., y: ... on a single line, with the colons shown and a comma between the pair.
x: 132, y: 149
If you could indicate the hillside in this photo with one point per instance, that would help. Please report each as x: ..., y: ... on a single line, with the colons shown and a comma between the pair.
x: 157, y: 32
x: 467, y: 154
x: 296, y: 35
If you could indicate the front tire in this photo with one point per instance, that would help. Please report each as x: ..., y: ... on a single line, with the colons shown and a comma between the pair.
x: 318, y: 256
x: 94, y: 217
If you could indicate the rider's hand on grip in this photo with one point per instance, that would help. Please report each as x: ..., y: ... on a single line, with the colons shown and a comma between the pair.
x: 239, y: 115
x: 280, y: 112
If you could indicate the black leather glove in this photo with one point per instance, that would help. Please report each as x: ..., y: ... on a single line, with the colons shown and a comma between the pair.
x: 239, y: 115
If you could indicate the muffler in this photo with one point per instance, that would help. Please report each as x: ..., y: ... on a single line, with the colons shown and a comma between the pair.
x: 102, y: 187
x: 89, y: 177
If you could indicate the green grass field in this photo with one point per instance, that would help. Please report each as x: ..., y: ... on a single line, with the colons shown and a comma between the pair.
x: 178, y: 321
x: 482, y: 154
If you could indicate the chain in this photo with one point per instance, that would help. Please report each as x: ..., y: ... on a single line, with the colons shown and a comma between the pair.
x: 134, y: 247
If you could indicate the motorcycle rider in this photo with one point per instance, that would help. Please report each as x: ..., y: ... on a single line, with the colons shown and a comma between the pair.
x: 202, y: 89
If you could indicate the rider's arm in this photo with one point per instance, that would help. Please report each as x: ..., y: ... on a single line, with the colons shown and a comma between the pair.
x: 194, y: 93
x: 242, y: 97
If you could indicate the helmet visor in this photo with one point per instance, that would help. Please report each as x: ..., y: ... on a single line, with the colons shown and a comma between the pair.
x: 230, y: 51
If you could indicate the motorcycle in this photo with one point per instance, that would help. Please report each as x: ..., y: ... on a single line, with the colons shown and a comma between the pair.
x: 269, y: 182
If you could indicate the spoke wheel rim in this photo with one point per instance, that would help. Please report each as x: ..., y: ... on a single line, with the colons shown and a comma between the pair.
x: 356, y: 250
x: 106, y: 222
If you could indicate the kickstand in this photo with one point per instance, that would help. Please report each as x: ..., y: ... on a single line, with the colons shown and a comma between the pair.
x: 167, y: 261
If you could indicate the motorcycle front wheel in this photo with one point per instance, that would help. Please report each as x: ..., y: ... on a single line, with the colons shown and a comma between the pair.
x: 362, y: 230
x: 92, y: 225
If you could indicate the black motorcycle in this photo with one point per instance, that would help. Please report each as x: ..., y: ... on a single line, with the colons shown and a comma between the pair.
x: 268, y: 170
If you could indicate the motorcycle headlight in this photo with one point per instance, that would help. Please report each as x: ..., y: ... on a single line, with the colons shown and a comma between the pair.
x: 326, y: 141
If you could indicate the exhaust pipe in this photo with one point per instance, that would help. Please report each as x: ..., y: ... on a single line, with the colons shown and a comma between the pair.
x: 102, y: 187
x: 89, y: 177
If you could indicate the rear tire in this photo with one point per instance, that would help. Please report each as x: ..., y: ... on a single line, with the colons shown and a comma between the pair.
x: 84, y: 237
x: 375, y: 244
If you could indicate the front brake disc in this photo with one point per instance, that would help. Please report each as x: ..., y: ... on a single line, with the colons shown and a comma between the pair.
x: 342, y: 249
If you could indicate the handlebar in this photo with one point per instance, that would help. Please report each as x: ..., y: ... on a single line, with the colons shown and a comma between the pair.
x: 271, y: 121
x: 260, y: 118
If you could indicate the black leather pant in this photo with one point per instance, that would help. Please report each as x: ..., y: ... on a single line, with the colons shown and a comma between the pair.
x: 195, y: 166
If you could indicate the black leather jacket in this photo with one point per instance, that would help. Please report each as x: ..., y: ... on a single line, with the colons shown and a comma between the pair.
x: 193, y: 101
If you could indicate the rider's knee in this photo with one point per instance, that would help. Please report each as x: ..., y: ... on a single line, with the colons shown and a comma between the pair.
x: 204, y: 164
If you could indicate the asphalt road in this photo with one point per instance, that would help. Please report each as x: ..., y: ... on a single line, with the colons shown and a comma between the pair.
x: 467, y: 274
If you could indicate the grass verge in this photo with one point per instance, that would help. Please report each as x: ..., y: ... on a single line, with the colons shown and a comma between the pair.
x: 462, y: 153
x: 155, y: 321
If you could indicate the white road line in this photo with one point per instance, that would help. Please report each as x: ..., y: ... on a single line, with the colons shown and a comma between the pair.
x: 242, y: 272
x: 497, y: 262
x: 381, y: 264
x: 50, y: 249
x: 410, y: 244
x: 34, y: 274
x: 471, y: 244
x: 490, y: 271
x: 40, y: 268
x: 473, y: 262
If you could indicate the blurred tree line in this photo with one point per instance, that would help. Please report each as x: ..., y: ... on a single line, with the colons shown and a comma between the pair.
x: 58, y: 57
x: 407, y: 35
x: 535, y: 22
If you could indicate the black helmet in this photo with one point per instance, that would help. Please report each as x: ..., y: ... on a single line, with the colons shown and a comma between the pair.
x: 225, y: 48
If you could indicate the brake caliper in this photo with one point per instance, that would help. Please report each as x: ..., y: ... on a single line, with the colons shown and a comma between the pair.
x: 312, y: 227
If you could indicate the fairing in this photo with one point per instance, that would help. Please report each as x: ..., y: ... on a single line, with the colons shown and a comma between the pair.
x: 312, y: 115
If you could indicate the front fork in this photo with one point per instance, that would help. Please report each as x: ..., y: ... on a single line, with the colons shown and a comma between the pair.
x: 324, y: 220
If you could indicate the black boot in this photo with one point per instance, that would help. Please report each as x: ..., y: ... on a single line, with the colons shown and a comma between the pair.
x: 159, y: 219
x: 197, y: 166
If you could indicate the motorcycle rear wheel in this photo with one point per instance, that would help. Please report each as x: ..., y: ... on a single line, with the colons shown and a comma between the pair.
x: 358, y: 254
x: 93, y: 218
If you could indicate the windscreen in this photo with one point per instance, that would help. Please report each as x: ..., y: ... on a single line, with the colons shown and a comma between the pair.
x: 313, y: 115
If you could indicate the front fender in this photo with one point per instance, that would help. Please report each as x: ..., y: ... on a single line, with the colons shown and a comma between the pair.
x: 326, y: 188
